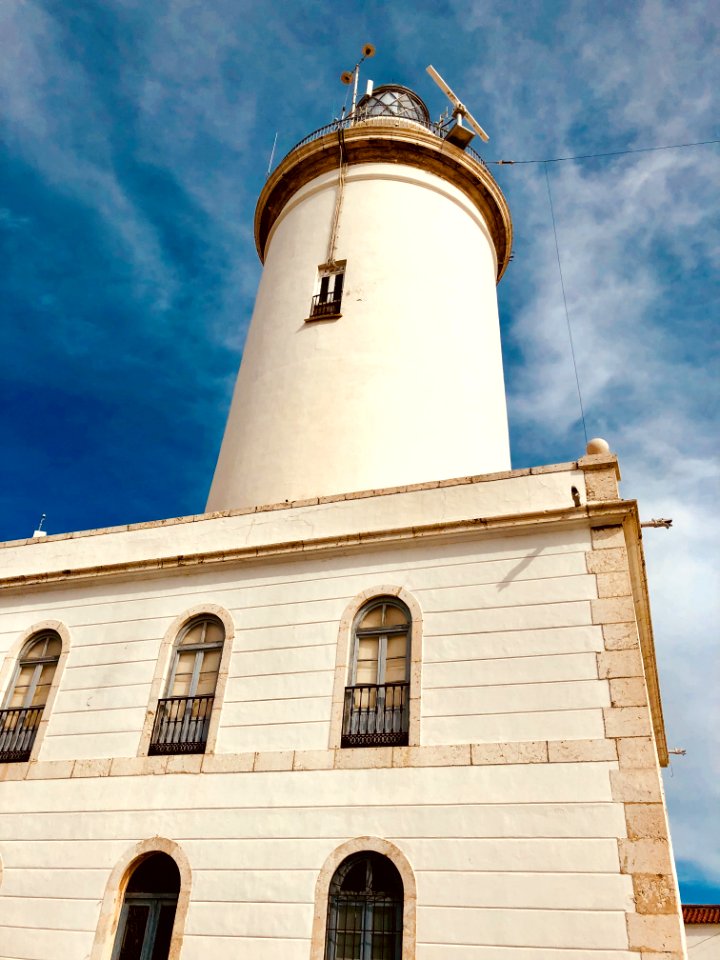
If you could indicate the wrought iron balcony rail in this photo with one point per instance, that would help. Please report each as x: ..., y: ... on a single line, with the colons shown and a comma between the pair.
x: 18, y: 726
x: 181, y: 725
x: 437, y: 129
x: 376, y: 715
x: 324, y: 306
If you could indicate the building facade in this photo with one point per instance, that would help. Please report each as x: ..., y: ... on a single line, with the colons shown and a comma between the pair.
x: 387, y: 698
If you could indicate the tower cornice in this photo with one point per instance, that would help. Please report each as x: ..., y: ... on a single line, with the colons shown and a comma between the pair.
x: 384, y: 140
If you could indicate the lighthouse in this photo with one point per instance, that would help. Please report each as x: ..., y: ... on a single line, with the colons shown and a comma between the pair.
x: 387, y: 697
x: 373, y: 357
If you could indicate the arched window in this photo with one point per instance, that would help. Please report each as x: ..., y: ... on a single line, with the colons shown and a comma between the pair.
x: 365, y: 910
x: 377, y: 695
x: 27, y: 696
x: 183, y: 716
x: 148, y: 912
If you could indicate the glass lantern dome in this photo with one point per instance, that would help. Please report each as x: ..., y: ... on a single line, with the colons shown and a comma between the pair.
x: 392, y: 100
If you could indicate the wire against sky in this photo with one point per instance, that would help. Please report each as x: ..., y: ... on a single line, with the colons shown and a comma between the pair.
x: 611, y: 153
x: 567, y: 313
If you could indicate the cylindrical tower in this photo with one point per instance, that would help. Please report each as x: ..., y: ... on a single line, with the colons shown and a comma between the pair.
x: 373, y: 357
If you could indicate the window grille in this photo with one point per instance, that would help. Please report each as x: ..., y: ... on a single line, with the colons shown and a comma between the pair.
x: 365, y: 910
x: 328, y: 301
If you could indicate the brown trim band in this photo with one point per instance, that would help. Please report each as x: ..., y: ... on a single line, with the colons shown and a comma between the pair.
x: 377, y: 143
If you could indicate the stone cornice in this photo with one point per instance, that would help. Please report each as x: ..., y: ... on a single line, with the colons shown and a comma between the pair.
x: 612, y: 512
x: 387, y: 143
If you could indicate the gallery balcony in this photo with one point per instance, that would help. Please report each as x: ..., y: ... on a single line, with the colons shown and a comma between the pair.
x: 376, y: 715
x: 18, y: 726
x: 181, y: 725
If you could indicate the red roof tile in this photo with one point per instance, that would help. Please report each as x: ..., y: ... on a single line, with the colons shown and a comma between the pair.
x: 701, y: 913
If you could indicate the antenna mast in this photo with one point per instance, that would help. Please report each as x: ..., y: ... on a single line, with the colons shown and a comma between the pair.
x: 352, y: 76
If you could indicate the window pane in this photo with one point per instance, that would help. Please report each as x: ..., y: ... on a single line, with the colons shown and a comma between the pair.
x: 373, y: 618
x: 36, y: 651
x: 22, y: 683
x: 53, y: 647
x: 42, y: 690
x: 215, y: 632
x: 183, y: 674
x: 394, y: 616
x: 195, y: 633
x: 349, y: 930
x: 134, y: 934
x: 208, y: 673
x: 203, y: 631
x: 367, y: 660
x: 161, y: 947
x: 395, y: 664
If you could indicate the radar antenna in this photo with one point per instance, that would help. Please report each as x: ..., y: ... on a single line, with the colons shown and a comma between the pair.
x: 458, y: 134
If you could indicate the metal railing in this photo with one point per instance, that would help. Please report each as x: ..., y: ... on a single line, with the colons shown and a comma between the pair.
x: 181, y: 725
x: 347, y: 122
x: 376, y: 715
x: 323, y: 306
x: 18, y: 726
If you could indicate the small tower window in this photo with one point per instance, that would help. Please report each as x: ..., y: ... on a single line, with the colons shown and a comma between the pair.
x: 328, y: 299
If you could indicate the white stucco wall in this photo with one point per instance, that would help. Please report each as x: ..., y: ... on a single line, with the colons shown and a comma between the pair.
x: 407, y: 386
x: 703, y: 941
x: 508, y: 861
x: 508, y: 648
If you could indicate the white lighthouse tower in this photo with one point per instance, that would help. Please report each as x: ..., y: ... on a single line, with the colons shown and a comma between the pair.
x: 373, y: 357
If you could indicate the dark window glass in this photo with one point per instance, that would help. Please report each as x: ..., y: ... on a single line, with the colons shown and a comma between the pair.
x: 134, y: 933
x: 148, y: 913
x: 365, y: 910
x: 161, y: 947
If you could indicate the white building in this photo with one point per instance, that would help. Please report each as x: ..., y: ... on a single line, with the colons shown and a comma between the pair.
x: 702, y: 930
x: 387, y: 698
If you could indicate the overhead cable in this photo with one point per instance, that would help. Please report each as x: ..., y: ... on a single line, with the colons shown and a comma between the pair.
x: 611, y: 153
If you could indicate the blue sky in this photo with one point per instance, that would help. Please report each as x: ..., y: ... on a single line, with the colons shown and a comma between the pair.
x: 136, y: 140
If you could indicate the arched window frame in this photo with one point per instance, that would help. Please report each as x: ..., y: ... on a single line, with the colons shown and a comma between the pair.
x: 325, y: 877
x: 345, y: 648
x: 114, y: 897
x: 166, y: 664
x: 11, y: 668
x: 376, y: 915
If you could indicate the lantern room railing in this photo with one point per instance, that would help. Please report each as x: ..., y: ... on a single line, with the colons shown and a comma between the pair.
x: 376, y: 715
x: 338, y: 126
x: 181, y: 725
x: 18, y: 726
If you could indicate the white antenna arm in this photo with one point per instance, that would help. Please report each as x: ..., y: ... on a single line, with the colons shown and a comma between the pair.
x: 460, y: 108
x: 444, y: 87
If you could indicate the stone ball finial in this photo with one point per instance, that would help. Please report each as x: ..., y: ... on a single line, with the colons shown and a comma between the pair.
x: 597, y: 445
